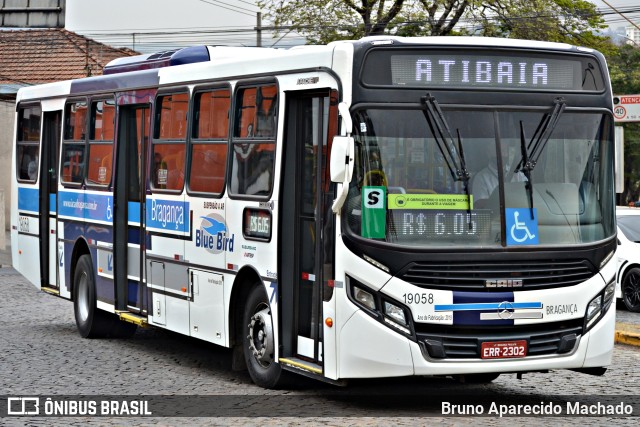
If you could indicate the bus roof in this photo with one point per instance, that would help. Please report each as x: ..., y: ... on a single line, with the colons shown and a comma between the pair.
x: 198, y: 63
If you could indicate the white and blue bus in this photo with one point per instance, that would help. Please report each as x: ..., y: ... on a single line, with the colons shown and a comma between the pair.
x: 375, y: 208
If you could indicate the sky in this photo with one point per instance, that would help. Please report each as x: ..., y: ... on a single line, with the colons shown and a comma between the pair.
x: 174, y: 22
x: 177, y: 23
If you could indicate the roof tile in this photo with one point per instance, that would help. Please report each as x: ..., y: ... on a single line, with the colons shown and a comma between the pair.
x: 48, y: 55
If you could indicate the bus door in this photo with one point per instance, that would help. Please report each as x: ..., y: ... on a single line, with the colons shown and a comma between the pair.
x: 129, y: 195
x: 306, y: 254
x: 49, y: 257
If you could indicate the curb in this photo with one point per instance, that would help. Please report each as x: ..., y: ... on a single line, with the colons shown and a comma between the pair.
x: 628, y: 338
x: 628, y: 334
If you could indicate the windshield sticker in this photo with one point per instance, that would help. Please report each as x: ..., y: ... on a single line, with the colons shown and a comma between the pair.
x: 521, y: 228
x: 374, y: 212
x: 429, y: 201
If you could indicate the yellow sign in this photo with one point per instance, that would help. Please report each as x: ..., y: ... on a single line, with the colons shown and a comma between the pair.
x: 429, y: 201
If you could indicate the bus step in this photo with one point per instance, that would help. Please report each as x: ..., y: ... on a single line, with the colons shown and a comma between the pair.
x: 51, y: 291
x: 301, y: 364
x: 132, y: 318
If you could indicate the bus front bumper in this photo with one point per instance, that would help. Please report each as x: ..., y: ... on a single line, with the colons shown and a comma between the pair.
x: 390, y: 354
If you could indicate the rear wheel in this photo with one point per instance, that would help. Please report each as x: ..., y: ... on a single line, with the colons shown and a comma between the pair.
x: 91, y: 322
x: 258, y: 340
x: 631, y: 290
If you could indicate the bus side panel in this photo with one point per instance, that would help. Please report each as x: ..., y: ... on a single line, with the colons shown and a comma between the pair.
x: 25, y: 233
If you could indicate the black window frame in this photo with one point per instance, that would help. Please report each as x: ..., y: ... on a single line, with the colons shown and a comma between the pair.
x: 155, y: 138
x: 234, y: 140
x: 192, y: 140
x: 66, y: 142
x: 24, y: 143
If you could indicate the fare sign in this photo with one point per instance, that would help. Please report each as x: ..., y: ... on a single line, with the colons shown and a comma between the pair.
x: 626, y: 108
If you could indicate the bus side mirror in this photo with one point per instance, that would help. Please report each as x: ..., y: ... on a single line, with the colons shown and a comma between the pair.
x: 341, y: 162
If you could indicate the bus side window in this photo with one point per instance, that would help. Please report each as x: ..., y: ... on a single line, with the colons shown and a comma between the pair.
x: 101, y: 131
x: 253, y: 142
x: 74, y: 142
x: 209, y: 141
x: 169, y: 141
x: 28, y: 143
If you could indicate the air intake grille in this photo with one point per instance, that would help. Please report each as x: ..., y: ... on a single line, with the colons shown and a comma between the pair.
x: 541, y: 340
x: 474, y: 275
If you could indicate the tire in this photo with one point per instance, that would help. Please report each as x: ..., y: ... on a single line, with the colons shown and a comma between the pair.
x: 258, y: 341
x: 91, y: 322
x: 478, y: 378
x: 630, y: 289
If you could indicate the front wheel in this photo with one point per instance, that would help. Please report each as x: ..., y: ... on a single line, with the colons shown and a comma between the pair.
x: 631, y: 290
x: 258, y: 341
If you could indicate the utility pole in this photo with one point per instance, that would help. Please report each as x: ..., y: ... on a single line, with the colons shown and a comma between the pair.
x: 259, y: 29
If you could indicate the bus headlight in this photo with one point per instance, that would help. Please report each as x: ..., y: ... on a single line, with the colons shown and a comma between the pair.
x: 365, y: 298
x: 395, y: 316
x: 599, y: 305
x: 593, y: 311
x: 389, y: 312
x: 609, y: 293
x: 395, y: 313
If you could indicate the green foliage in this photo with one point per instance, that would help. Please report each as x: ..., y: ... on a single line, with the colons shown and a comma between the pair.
x: 322, y: 21
x: 625, y: 80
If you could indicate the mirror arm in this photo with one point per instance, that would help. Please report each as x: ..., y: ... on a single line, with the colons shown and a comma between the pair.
x: 343, y: 109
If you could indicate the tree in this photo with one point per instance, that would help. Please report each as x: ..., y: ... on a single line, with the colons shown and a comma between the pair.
x: 322, y: 21
x: 625, y: 80
x: 565, y: 21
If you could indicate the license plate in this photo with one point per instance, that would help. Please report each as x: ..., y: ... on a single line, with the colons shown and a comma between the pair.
x: 503, y: 349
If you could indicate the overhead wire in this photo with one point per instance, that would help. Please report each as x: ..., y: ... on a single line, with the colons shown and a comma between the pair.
x: 228, y: 6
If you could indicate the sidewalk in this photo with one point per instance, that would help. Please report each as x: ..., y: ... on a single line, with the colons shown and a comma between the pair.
x: 5, y: 255
x: 627, y: 323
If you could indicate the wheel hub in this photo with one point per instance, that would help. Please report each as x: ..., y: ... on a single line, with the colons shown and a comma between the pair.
x: 261, y: 337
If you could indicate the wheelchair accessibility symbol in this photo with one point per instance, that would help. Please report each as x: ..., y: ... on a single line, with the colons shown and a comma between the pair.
x: 521, y: 229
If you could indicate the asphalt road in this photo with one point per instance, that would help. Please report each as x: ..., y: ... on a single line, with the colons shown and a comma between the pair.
x: 43, y: 355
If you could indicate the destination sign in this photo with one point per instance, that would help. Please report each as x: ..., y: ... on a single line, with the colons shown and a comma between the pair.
x: 475, y: 70
x: 485, y: 71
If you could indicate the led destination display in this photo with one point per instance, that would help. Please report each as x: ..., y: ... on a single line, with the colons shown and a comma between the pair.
x: 489, y: 70
x: 473, y: 70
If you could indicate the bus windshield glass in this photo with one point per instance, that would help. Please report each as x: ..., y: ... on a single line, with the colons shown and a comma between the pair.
x: 483, y: 178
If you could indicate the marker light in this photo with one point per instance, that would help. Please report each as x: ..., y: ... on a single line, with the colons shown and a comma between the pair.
x: 365, y: 298
x: 328, y: 321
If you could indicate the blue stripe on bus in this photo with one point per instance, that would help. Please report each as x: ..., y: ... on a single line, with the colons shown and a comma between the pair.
x: 133, y: 209
x: 96, y: 207
x: 53, y: 207
x: 486, y: 306
x: 169, y: 215
x: 28, y: 199
x: 484, y: 302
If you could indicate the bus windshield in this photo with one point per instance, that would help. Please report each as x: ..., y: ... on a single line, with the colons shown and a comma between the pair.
x: 463, y: 182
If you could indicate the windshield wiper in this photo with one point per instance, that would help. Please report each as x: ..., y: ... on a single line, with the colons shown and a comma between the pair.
x: 531, y: 152
x: 444, y: 139
x: 527, y: 168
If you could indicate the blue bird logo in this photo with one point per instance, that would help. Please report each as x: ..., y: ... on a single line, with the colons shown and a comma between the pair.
x: 215, y: 227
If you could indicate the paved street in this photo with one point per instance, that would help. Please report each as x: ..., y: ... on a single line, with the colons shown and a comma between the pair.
x: 42, y: 354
